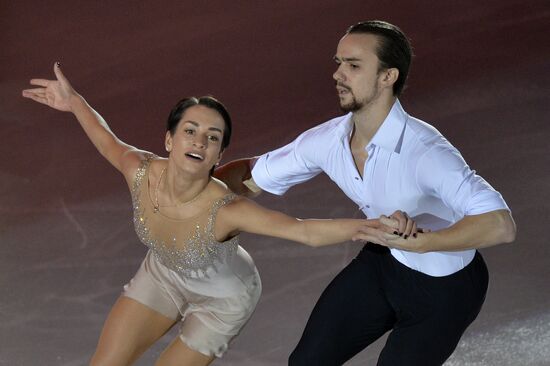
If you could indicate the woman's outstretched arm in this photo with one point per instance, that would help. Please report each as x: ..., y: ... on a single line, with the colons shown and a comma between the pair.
x: 245, y: 215
x: 59, y: 94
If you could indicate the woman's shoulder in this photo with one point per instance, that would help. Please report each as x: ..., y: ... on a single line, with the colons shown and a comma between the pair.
x: 221, y: 193
x: 138, y: 162
x: 140, y: 158
x: 219, y: 188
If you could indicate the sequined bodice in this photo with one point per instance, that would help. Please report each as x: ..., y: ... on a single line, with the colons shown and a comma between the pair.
x: 189, y: 247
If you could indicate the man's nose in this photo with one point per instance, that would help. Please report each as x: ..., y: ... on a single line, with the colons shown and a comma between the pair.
x: 338, y: 75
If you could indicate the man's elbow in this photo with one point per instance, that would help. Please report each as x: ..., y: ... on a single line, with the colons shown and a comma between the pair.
x: 510, y: 233
x: 507, y: 228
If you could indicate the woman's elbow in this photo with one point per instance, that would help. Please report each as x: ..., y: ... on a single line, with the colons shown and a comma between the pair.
x: 310, y: 242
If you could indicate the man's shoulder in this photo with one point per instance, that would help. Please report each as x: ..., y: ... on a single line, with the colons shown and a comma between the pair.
x: 426, y: 142
x: 424, y: 133
x: 337, y: 126
x: 422, y: 128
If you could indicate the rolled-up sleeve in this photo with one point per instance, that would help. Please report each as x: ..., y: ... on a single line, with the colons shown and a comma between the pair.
x: 443, y: 173
x: 280, y: 169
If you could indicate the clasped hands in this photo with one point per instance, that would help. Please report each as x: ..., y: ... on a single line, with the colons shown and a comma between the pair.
x: 397, y: 230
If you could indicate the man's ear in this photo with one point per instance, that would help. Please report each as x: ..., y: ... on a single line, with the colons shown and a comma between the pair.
x: 389, y: 76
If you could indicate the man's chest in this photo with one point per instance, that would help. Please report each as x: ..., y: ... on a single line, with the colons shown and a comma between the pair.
x: 375, y: 179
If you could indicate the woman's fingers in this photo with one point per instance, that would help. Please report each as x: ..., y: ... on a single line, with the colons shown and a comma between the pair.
x: 374, y: 232
x: 39, y: 92
x: 401, y: 217
x: 36, y: 98
x: 59, y: 74
x: 40, y: 82
x: 53, y: 93
x: 35, y: 91
x: 414, y: 230
x: 408, y: 227
x: 389, y: 222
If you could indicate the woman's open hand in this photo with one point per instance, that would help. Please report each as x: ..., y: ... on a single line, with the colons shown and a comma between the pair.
x: 53, y: 93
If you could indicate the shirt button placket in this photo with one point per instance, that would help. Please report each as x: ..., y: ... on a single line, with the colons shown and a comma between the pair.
x: 367, y: 184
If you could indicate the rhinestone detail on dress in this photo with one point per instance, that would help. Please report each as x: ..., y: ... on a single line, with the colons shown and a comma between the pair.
x: 199, y: 253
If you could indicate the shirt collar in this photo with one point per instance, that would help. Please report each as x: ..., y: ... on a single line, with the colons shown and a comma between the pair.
x: 390, y: 134
x: 345, y: 127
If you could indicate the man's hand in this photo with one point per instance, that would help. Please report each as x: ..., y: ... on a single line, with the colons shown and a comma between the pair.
x: 395, y: 231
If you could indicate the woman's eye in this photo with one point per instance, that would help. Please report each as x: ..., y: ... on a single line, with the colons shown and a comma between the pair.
x: 213, y: 138
x: 189, y: 131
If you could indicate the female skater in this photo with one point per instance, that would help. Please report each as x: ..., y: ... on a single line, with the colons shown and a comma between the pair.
x: 194, y: 270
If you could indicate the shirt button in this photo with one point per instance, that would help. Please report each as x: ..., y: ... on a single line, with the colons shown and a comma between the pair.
x: 356, y: 178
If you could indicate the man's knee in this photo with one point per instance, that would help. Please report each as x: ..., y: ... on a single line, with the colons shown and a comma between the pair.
x: 320, y: 351
x: 296, y: 358
x: 304, y: 357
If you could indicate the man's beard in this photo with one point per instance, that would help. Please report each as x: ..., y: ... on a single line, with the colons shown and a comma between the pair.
x: 352, y: 106
x: 355, y: 105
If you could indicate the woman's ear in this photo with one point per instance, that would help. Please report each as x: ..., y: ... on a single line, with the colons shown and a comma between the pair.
x: 168, y: 141
x: 219, y: 158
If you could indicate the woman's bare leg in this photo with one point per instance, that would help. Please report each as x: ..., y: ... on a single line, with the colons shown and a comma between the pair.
x: 130, y: 329
x: 179, y: 354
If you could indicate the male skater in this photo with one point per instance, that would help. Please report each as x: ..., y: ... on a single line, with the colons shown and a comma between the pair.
x: 425, y: 289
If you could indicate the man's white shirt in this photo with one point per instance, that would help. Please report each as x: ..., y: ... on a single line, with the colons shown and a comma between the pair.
x: 410, y: 167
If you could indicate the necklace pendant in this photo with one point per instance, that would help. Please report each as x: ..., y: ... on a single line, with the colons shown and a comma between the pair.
x: 155, y: 209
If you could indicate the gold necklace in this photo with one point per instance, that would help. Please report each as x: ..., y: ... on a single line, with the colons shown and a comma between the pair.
x: 156, y: 206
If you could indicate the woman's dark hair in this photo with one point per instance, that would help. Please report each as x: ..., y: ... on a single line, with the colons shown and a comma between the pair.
x: 208, y: 101
x: 394, y: 49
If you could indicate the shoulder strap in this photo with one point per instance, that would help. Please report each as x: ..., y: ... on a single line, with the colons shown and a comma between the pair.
x: 141, y: 174
x: 214, y: 212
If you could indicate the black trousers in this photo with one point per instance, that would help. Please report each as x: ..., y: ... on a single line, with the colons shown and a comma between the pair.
x: 375, y: 294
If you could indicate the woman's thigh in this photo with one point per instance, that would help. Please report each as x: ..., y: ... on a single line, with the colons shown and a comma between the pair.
x: 130, y: 329
x: 179, y: 354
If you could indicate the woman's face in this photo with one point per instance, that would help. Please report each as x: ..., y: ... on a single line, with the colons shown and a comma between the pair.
x: 195, y: 147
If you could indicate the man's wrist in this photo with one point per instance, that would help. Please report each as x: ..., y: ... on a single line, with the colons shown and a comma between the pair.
x: 251, y: 185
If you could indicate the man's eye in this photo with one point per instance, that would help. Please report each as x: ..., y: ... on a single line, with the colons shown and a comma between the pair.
x: 353, y: 66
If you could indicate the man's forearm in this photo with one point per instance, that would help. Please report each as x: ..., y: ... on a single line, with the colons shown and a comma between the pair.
x: 472, y: 232
x: 235, y: 173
